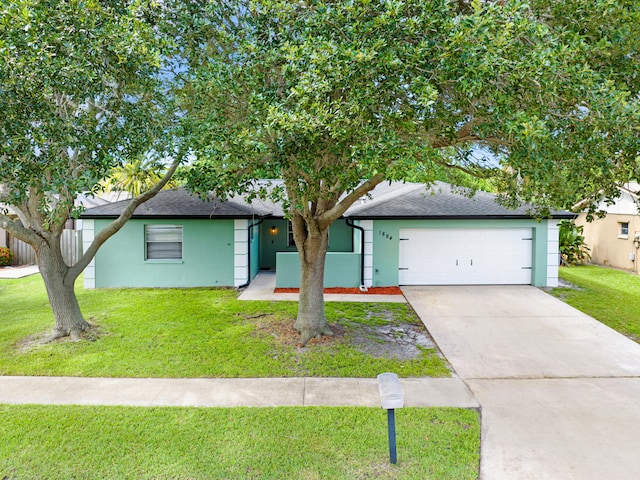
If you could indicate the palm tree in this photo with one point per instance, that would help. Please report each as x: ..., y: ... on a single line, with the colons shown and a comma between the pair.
x: 136, y: 176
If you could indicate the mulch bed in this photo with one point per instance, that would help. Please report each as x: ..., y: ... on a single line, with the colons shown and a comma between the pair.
x: 350, y: 291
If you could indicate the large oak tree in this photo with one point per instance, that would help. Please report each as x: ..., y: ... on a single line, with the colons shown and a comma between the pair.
x: 81, y: 91
x: 335, y: 97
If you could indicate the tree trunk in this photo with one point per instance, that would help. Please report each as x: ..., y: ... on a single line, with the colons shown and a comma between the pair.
x: 60, y: 290
x: 311, y: 322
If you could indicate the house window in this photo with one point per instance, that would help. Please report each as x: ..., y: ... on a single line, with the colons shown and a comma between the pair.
x: 290, y: 241
x: 163, y: 242
x: 624, y: 229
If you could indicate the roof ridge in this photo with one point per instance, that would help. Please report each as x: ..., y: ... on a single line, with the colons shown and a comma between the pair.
x: 627, y: 187
x: 405, y: 189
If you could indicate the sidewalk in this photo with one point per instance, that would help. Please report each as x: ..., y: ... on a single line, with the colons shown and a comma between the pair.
x: 18, y: 271
x: 233, y: 392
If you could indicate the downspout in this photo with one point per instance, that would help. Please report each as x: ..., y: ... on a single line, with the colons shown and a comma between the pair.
x: 350, y: 223
x: 249, y: 252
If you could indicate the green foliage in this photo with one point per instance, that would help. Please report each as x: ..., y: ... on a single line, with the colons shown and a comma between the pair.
x: 573, y: 248
x: 6, y: 256
x: 327, y: 94
x: 609, y: 32
x: 234, y: 443
x: 84, y: 87
x: 608, y: 295
x: 192, y: 333
x: 82, y: 90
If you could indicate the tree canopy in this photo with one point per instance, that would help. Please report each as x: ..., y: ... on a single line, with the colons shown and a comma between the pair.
x: 343, y: 91
x: 82, y: 90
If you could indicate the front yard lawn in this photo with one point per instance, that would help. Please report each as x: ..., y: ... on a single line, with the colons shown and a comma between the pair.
x: 239, y: 443
x: 608, y: 295
x: 206, y: 333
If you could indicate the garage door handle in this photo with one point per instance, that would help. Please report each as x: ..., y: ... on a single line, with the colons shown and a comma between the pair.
x: 526, y: 268
x: 456, y: 263
x: 472, y: 262
x: 403, y: 268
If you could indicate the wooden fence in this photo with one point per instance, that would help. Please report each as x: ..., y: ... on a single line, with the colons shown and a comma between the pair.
x: 71, y: 244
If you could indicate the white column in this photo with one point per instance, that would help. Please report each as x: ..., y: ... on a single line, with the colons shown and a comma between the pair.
x: 367, y: 225
x: 553, y: 252
x: 240, y: 252
x: 88, y: 234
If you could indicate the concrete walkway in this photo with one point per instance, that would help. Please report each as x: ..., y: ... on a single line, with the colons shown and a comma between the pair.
x: 559, y: 391
x: 18, y: 271
x: 216, y: 392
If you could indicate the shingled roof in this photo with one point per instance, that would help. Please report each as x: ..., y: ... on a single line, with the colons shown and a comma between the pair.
x: 180, y: 203
x: 439, y: 201
x: 395, y: 200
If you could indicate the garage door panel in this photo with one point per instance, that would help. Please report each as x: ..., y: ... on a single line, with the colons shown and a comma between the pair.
x: 465, y: 256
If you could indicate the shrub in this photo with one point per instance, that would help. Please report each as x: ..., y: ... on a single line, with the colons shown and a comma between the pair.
x: 573, y: 249
x: 6, y: 255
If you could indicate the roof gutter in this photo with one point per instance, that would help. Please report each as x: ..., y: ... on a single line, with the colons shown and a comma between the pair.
x: 350, y: 223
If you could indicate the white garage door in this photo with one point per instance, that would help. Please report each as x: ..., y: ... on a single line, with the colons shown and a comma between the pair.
x: 488, y: 256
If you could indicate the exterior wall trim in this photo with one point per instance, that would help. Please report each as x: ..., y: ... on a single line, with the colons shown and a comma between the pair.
x: 553, y: 252
x: 240, y: 252
x: 88, y: 234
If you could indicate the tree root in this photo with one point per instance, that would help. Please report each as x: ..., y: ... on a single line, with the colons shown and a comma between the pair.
x: 75, y: 334
x: 306, y: 335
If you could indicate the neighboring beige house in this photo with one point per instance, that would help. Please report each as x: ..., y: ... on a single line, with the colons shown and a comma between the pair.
x: 615, y: 239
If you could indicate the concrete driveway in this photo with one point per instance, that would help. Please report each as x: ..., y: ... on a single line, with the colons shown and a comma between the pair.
x: 559, y: 391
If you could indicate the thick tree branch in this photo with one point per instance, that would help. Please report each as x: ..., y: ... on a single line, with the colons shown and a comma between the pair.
x: 118, y: 223
x: 462, y: 135
x: 33, y: 217
x: 343, y: 205
x: 22, y: 233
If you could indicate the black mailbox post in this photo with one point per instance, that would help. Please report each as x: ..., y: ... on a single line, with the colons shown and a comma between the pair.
x: 391, y: 397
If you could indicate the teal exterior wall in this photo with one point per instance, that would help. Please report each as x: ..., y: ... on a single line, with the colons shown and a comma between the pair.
x: 270, y: 243
x: 208, y: 253
x: 386, y: 245
x: 341, y: 269
x: 207, y: 256
x: 340, y: 240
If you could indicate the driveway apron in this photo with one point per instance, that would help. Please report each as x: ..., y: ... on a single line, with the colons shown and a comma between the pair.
x: 559, y: 391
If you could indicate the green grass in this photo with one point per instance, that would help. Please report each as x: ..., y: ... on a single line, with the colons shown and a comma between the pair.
x: 240, y: 443
x: 608, y: 295
x: 191, y: 333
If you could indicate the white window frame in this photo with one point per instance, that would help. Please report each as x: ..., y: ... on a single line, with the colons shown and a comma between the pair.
x: 290, y: 241
x: 624, y: 230
x: 168, y: 234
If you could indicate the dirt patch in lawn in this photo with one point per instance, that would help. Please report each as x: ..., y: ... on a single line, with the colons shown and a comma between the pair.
x: 565, y: 284
x: 31, y: 342
x: 284, y: 334
x: 401, y: 341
